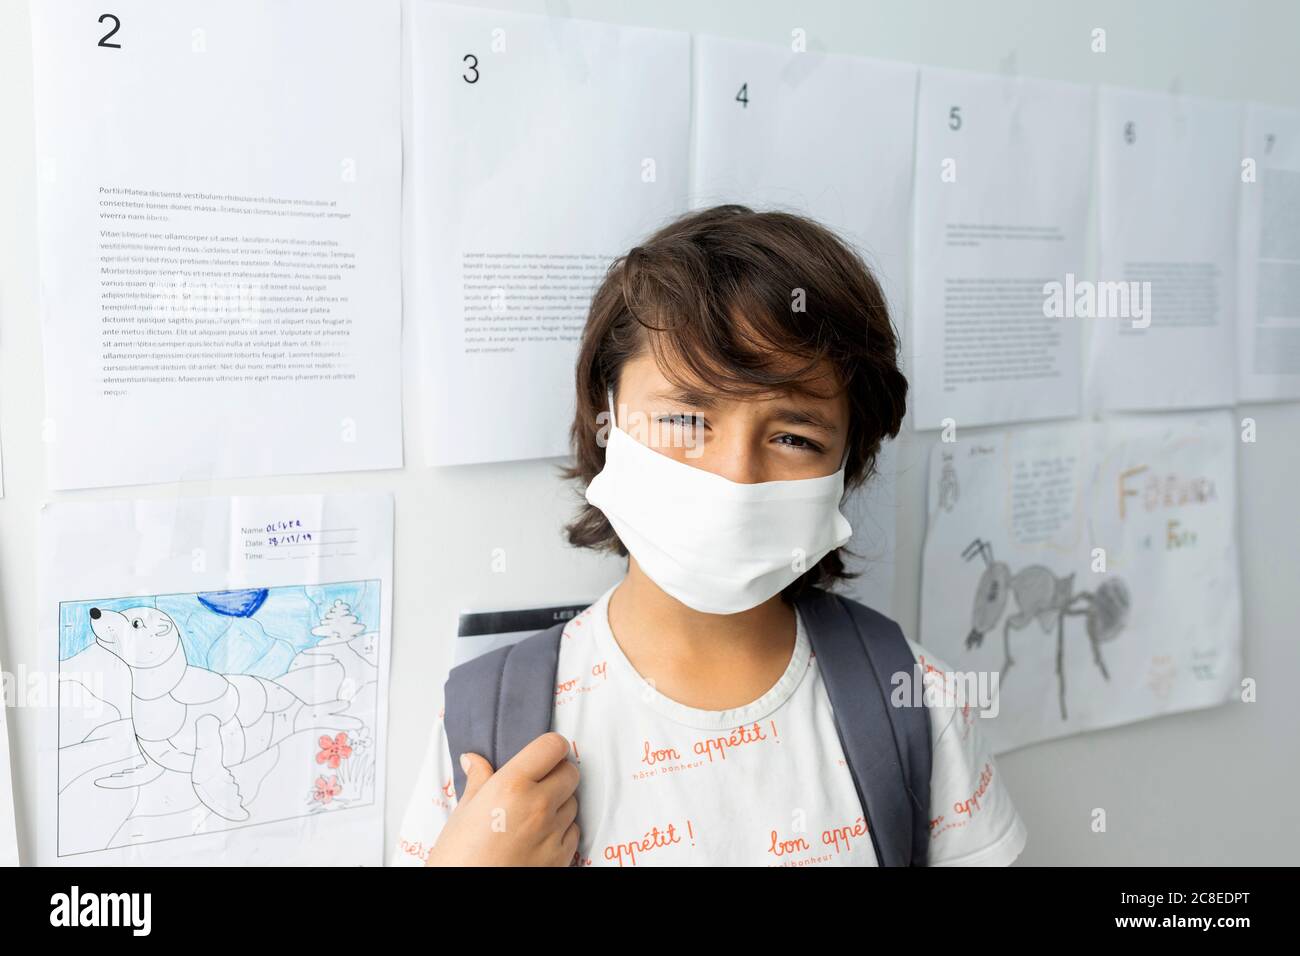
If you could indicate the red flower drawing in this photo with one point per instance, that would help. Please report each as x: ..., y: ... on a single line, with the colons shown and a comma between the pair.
x: 333, y: 751
x: 327, y: 790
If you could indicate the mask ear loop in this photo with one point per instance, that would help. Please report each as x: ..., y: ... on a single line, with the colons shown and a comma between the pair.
x: 844, y: 460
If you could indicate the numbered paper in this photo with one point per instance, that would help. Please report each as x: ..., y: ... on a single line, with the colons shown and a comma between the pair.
x: 1002, y: 191
x: 222, y: 671
x: 1090, y: 569
x: 539, y: 149
x: 1169, y: 174
x: 1268, y: 278
x: 219, y: 238
x: 771, y: 132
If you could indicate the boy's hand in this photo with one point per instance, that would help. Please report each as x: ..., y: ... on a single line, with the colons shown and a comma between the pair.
x: 522, y: 815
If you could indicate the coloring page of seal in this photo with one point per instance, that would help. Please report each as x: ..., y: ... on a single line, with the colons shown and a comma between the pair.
x: 240, y: 721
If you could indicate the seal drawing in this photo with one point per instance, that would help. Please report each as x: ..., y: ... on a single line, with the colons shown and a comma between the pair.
x: 194, y: 721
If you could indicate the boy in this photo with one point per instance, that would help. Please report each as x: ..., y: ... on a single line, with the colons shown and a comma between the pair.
x: 737, y: 373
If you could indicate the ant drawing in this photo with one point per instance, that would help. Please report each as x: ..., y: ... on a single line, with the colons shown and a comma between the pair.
x: 1040, y: 595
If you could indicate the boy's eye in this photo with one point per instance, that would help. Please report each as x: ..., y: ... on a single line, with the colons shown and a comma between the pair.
x: 798, y: 441
x: 682, y: 419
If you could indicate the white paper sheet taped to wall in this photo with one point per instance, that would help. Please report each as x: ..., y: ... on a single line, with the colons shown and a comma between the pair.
x: 222, y: 680
x: 1169, y: 176
x: 538, y: 149
x: 1268, y: 274
x: 1092, y: 566
x: 1002, y: 190
x: 770, y: 132
x: 219, y: 224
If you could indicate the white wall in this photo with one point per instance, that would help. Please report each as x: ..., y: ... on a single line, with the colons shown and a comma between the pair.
x: 1205, y: 787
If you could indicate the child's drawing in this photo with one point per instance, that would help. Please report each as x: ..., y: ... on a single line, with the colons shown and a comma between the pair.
x: 219, y: 710
x: 1042, y: 596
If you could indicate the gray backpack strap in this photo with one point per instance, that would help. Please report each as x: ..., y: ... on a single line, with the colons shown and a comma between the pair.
x: 498, y: 702
x: 887, y: 747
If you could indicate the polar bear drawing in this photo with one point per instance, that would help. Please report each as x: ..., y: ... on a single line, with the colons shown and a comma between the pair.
x: 193, y: 721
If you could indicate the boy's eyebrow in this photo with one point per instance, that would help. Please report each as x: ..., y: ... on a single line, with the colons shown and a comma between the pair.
x: 687, y: 396
x: 804, y: 416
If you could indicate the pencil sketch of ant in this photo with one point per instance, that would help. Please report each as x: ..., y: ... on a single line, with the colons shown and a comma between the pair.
x: 1042, y: 596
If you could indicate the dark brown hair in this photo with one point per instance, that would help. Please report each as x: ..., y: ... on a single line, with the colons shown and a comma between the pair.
x: 713, y: 295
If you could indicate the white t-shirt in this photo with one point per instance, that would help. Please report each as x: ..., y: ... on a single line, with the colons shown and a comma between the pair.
x: 766, y: 784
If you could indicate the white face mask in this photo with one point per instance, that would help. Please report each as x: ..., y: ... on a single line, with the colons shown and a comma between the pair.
x: 716, y: 545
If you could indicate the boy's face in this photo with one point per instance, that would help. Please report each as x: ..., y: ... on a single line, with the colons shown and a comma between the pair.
x: 773, y: 437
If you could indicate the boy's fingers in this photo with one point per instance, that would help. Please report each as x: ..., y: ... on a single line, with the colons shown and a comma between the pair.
x: 562, y: 782
x: 539, y: 757
x: 477, y: 772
